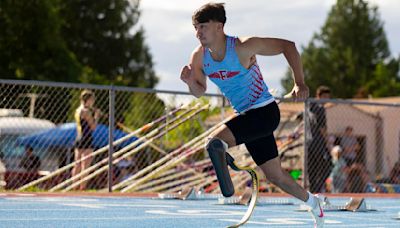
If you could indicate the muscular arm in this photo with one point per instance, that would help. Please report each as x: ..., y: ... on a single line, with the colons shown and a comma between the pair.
x: 193, y: 75
x: 273, y: 46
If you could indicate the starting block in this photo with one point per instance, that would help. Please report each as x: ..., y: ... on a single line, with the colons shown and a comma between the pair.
x: 241, y: 200
x: 189, y: 193
x: 184, y: 194
x: 245, y: 198
x: 398, y: 216
x: 356, y: 204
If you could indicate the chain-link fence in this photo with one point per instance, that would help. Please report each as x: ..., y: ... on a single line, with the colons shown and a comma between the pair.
x: 38, y: 132
x: 353, y: 146
x: 158, y: 141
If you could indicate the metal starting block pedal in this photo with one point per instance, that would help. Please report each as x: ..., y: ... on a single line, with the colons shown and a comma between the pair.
x: 245, y: 198
x: 189, y: 193
x: 184, y: 194
x: 398, y: 216
x: 356, y: 204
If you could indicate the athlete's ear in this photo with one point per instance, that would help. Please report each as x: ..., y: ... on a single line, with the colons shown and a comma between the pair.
x: 220, y: 26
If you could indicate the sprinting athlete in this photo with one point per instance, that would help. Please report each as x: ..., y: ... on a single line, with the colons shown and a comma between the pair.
x: 230, y: 62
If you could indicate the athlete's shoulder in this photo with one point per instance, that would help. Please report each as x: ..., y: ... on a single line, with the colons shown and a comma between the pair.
x: 198, y: 51
x: 243, y: 46
x: 243, y: 41
x: 197, y: 56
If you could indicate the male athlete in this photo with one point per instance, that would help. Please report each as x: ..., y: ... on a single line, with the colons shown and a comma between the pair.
x: 230, y: 62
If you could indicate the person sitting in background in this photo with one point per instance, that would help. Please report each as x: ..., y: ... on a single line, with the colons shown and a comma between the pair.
x: 30, y: 162
x: 350, y: 146
x: 2, y: 172
x: 394, y: 176
x: 338, y: 175
x: 357, y: 179
x: 125, y: 169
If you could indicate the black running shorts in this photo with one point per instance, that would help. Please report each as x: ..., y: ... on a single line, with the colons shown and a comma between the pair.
x: 255, y: 129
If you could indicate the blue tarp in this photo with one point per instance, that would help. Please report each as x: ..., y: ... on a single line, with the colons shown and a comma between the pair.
x: 64, y: 136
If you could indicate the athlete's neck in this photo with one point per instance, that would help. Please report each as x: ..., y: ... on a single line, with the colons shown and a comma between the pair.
x: 218, y: 49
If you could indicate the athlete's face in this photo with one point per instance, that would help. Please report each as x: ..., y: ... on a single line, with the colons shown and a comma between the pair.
x: 207, y: 32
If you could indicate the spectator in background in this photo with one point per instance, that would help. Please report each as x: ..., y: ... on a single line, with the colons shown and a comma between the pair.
x: 319, y: 163
x: 338, y: 175
x: 357, y: 179
x: 2, y: 172
x: 125, y: 169
x: 30, y: 162
x: 394, y: 176
x: 86, y: 117
x: 350, y: 146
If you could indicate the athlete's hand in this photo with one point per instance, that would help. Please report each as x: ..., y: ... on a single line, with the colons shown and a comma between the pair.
x: 185, y: 74
x: 299, y: 92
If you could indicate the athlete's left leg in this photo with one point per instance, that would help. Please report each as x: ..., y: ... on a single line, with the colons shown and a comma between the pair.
x: 269, y: 162
x: 273, y: 172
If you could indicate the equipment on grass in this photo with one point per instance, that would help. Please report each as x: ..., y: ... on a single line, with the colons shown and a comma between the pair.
x: 356, y: 204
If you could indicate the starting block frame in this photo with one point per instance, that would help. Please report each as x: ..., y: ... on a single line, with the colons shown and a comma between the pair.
x: 244, y: 199
x: 355, y: 204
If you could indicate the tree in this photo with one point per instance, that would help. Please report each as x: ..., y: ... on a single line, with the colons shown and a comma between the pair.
x: 105, y: 38
x: 72, y: 41
x: 31, y: 46
x: 346, y: 54
x: 386, y: 81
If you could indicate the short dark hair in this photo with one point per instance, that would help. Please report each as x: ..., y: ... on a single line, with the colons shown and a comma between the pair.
x: 210, y: 12
x: 323, y: 89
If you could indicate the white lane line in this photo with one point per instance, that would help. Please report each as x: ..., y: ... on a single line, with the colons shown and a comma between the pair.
x: 80, y: 218
x: 283, y: 221
x: 194, y: 212
x: 50, y: 199
x: 118, y: 205
x: 353, y: 216
x: 92, y: 206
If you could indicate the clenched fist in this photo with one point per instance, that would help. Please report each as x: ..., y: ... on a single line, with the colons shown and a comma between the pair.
x: 299, y: 92
x: 185, y: 73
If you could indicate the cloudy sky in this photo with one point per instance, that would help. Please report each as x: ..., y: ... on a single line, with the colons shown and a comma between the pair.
x: 171, y: 38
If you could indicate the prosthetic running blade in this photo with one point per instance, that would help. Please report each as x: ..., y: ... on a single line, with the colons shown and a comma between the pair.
x: 254, y: 193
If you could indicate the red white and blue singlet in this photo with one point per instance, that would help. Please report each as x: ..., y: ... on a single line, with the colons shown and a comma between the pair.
x: 244, y: 88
